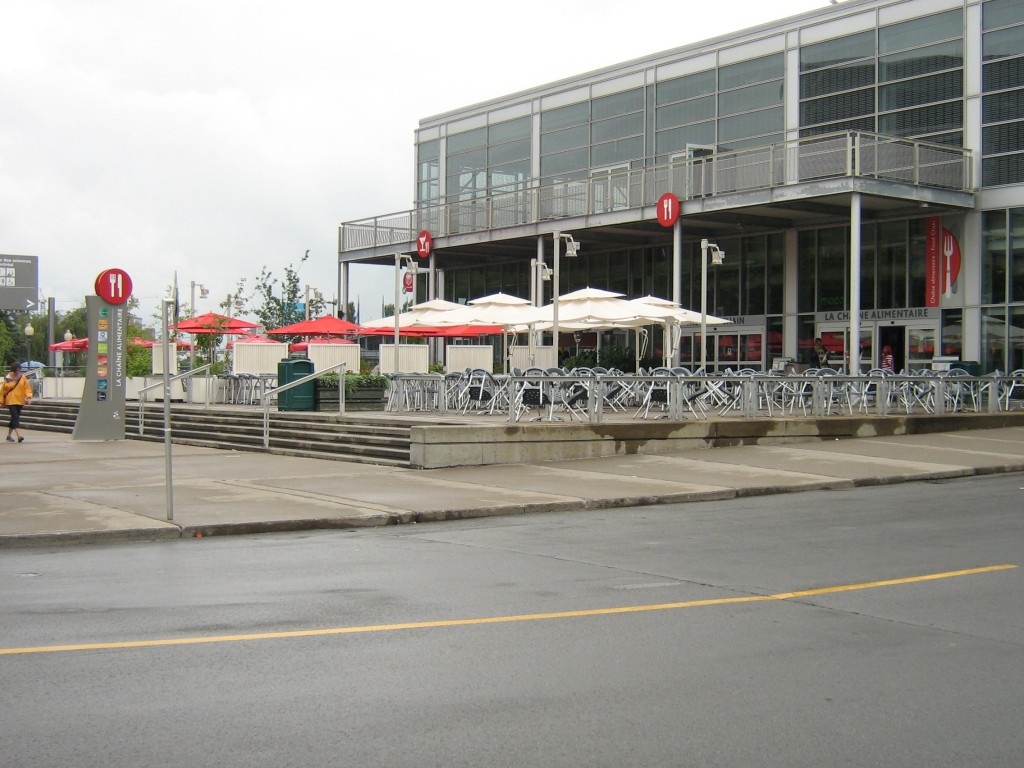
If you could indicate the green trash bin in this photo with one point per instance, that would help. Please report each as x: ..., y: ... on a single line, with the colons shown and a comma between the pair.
x: 302, y: 397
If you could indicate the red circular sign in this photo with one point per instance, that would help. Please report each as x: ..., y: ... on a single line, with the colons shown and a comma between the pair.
x: 424, y: 244
x: 114, y: 286
x: 668, y: 209
x: 407, y: 282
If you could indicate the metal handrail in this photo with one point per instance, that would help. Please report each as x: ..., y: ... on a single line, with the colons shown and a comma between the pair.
x: 167, y: 394
x: 265, y: 397
x: 810, y: 158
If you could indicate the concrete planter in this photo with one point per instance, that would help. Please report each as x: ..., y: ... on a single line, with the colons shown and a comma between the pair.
x: 369, y: 399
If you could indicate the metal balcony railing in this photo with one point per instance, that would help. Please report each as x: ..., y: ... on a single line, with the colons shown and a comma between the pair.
x: 818, y: 158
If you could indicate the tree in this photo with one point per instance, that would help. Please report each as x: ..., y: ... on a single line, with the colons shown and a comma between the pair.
x: 277, y: 303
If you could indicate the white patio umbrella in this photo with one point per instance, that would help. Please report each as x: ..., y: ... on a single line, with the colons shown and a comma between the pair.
x: 502, y: 309
x: 426, y: 313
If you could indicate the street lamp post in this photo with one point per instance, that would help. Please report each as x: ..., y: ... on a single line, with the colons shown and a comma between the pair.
x: 204, y: 292
x: 572, y: 250
x: 717, y: 257
x: 316, y: 295
x: 29, y: 333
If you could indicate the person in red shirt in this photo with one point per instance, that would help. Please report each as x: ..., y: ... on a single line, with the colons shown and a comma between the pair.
x: 888, y: 361
x: 15, y: 393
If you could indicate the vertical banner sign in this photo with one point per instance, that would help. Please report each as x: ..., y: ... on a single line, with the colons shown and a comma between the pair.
x: 101, y: 415
x: 933, y: 261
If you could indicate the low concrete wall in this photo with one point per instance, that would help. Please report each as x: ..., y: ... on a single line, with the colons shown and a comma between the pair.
x: 436, y: 446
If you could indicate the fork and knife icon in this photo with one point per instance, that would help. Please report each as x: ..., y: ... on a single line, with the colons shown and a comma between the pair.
x: 947, y: 253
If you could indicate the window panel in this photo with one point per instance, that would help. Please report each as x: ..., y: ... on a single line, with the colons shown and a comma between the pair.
x: 993, y: 257
x: 1005, y: 169
x: 685, y: 112
x: 752, y: 71
x: 929, y: 29
x: 510, y: 175
x: 520, y: 128
x: 923, y: 90
x: 845, y: 78
x: 921, y: 61
x: 1016, y: 266
x: 676, y: 139
x: 751, y: 97
x: 1005, y: 42
x: 914, y: 122
x: 617, y: 104
x: 999, y: 13
x: 832, y: 269
x: 807, y: 280
x: 512, y: 150
x: 618, y: 127
x: 698, y: 84
x: 565, y: 139
x: 1008, y: 105
x: 840, y: 107
x: 467, y: 140
x: 1008, y: 137
x: 617, y: 151
x: 428, y: 150
x: 838, y: 51
x: 1008, y: 73
x: 467, y: 161
x: 563, y: 117
x: 563, y: 162
x: 750, y: 124
x: 776, y: 272
x: 860, y: 124
x: 756, y: 141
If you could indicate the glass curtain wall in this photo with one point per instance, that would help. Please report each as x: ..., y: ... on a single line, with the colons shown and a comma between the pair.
x: 1003, y: 87
x: 904, y: 79
x: 1002, y: 289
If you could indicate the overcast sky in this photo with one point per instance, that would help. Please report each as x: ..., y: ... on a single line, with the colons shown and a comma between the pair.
x: 214, y: 137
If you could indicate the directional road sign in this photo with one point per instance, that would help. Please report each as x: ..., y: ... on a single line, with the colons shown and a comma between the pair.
x: 19, y: 283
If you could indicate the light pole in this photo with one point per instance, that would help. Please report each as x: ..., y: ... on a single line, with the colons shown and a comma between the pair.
x: 29, y: 333
x: 204, y: 292
x: 400, y: 259
x: 572, y: 250
x: 316, y: 295
x: 717, y: 257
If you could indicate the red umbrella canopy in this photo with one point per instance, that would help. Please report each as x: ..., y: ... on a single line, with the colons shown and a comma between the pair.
x: 211, y: 322
x: 74, y: 345
x: 328, y: 325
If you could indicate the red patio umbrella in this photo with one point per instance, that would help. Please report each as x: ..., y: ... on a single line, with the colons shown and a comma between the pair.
x: 73, y: 345
x: 211, y: 322
x: 328, y: 325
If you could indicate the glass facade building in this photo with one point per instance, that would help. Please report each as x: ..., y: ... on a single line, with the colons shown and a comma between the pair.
x: 747, y: 131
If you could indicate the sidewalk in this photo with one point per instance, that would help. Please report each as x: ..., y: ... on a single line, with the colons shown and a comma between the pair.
x: 55, y: 490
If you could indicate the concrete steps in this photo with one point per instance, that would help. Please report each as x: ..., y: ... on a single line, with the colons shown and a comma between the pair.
x: 309, y: 434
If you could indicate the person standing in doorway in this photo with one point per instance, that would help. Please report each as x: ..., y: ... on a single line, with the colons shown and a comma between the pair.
x: 888, y: 361
x: 16, y: 393
x: 820, y: 353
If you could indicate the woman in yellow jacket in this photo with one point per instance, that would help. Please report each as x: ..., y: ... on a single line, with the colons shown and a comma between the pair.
x: 15, y: 394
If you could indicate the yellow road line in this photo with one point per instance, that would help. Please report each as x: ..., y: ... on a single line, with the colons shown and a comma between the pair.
x: 497, y: 619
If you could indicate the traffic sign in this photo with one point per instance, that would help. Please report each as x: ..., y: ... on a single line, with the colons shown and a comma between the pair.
x: 424, y: 244
x: 19, y: 283
x: 114, y: 286
x: 668, y: 209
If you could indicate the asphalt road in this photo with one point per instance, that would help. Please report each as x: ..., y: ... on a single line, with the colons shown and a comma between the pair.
x: 628, y: 637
